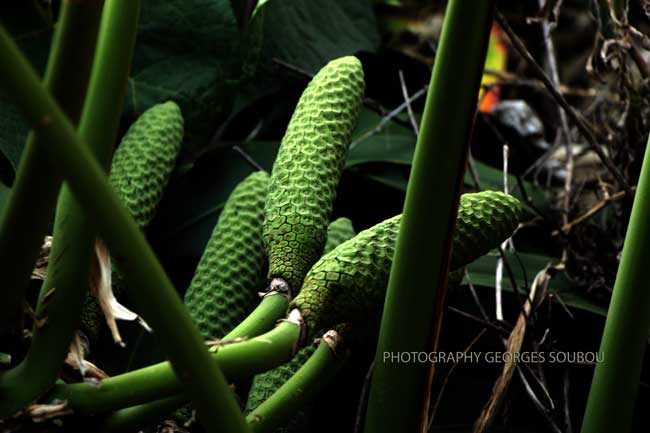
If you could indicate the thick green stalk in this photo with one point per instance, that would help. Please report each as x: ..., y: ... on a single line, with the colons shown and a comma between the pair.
x: 610, y: 406
x: 236, y: 361
x: 156, y: 298
x: 137, y: 418
x: 26, y: 219
x: 263, y: 318
x: 399, y: 392
x: 66, y: 284
x: 319, y: 369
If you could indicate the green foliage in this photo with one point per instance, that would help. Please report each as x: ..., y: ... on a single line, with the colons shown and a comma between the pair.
x: 339, y: 231
x: 33, y: 32
x: 336, y: 27
x: 204, y: 62
x: 307, y: 170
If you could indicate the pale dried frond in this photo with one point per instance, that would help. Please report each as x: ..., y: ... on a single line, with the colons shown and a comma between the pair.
x: 101, y: 287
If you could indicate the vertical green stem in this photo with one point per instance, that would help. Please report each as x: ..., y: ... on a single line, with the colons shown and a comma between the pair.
x: 410, y: 323
x: 66, y: 284
x: 31, y: 205
x: 156, y: 297
x: 610, y: 406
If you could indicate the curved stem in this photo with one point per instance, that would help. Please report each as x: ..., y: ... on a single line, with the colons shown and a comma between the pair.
x: 62, y: 294
x: 156, y: 298
x: 317, y: 372
x: 236, y: 360
x: 262, y: 318
x: 413, y: 308
x: 138, y: 417
x: 26, y: 219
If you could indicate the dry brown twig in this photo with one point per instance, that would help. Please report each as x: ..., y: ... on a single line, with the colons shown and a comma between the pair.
x: 407, y: 101
x: 551, y: 61
x: 609, y: 198
x: 576, y: 118
x: 514, y: 344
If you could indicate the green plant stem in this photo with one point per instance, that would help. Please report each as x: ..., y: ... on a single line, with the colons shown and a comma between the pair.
x: 66, y: 284
x: 317, y: 372
x: 271, y: 309
x: 136, y: 418
x: 237, y: 361
x: 610, y: 406
x: 30, y: 209
x: 412, y: 313
x: 263, y: 318
x: 156, y: 297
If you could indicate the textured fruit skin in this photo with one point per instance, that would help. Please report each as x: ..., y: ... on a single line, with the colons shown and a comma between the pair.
x: 145, y: 159
x: 265, y: 384
x: 139, y: 173
x: 308, y: 167
x: 339, y: 231
x: 230, y: 274
x: 348, y: 285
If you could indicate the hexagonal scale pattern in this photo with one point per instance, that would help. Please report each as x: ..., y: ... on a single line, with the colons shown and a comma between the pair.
x: 145, y: 158
x: 139, y: 173
x: 349, y: 283
x: 308, y: 167
x: 231, y: 271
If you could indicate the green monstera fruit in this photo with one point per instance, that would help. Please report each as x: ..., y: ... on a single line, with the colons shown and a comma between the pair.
x: 348, y: 285
x: 307, y: 170
x: 226, y: 283
x: 145, y: 159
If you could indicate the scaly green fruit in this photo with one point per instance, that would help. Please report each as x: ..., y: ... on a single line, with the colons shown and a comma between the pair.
x: 339, y: 231
x: 145, y: 159
x: 265, y: 384
x: 226, y: 283
x: 348, y: 285
x: 139, y: 173
x: 307, y: 170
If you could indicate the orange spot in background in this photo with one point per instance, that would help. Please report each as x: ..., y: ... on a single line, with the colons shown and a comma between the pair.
x: 496, y: 59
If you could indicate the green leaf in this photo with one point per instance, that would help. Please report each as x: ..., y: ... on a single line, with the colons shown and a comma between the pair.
x: 4, y: 196
x: 307, y: 34
x: 395, y: 144
x: 31, y: 28
x: 187, y: 51
x: 193, y: 200
x: 482, y: 273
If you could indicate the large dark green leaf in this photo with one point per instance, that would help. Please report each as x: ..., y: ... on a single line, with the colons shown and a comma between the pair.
x: 307, y: 34
x: 194, y: 199
x: 31, y: 28
x: 4, y: 196
x: 391, y: 143
x: 524, y: 268
x: 189, y: 52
